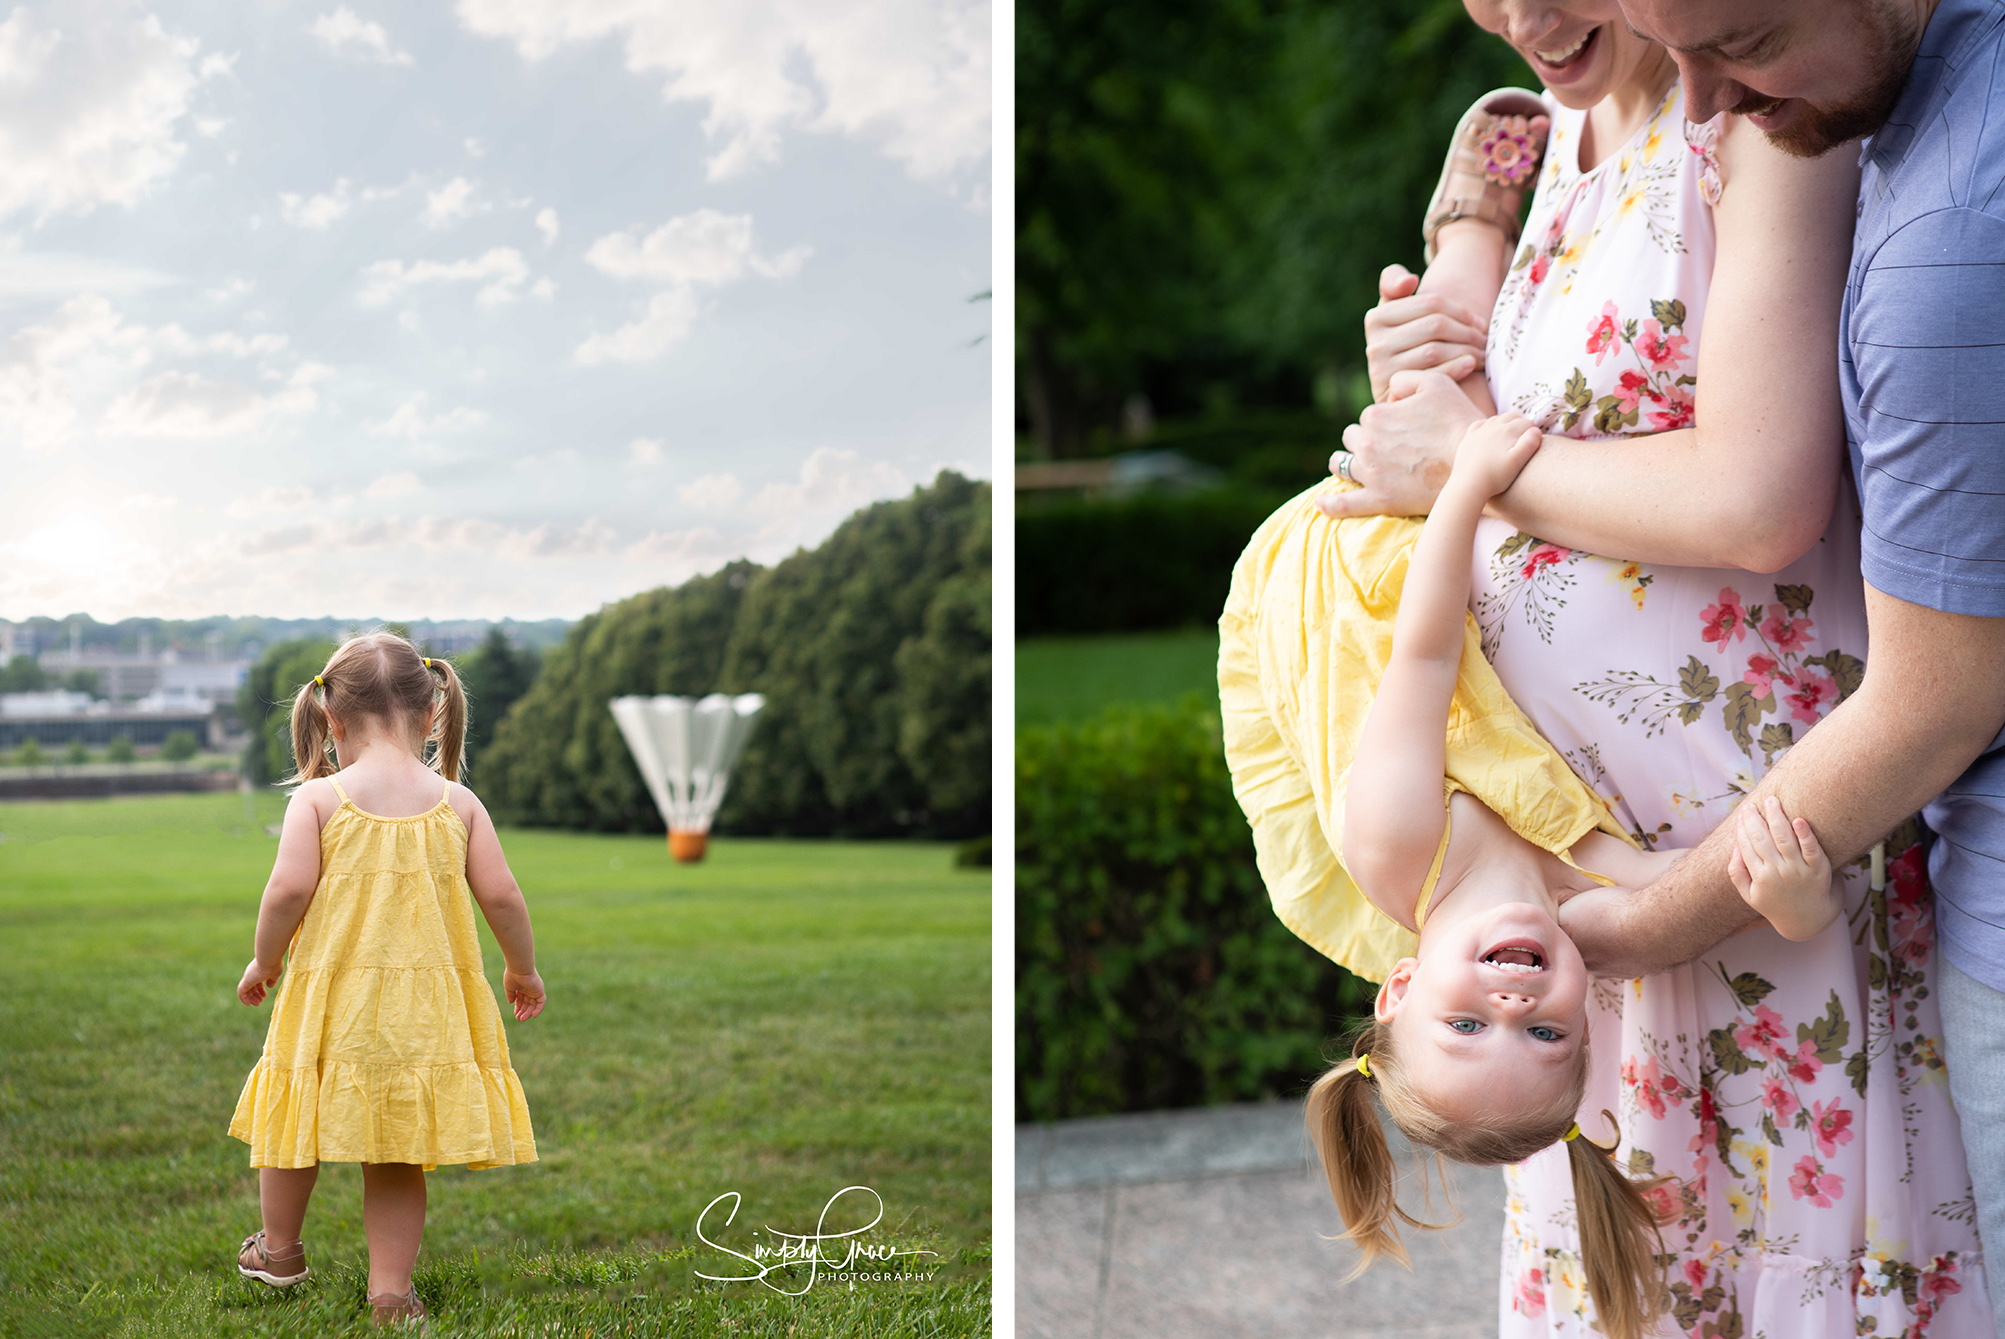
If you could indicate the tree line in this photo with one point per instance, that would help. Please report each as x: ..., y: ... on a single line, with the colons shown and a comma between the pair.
x: 872, y: 650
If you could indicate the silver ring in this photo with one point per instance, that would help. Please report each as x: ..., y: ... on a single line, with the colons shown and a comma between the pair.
x: 1344, y: 467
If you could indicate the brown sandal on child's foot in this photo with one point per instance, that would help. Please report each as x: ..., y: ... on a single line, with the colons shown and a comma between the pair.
x: 279, y: 1270
x: 390, y: 1309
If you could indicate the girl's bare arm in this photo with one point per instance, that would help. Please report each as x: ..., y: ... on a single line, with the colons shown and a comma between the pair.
x: 1393, y: 812
x: 501, y: 902
x: 289, y: 891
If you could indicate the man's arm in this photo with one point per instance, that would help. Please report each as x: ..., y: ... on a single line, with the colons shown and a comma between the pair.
x: 1933, y: 699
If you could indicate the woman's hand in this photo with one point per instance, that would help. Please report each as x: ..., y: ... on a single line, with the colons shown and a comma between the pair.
x: 1402, y: 451
x: 525, y: 992
x: 259, y: 977
x: 1418, y: 332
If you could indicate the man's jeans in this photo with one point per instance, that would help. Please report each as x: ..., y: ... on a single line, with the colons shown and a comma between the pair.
x: 1973, y: 1038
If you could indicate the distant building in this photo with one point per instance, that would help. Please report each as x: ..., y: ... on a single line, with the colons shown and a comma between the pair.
x: 122, y: 677
x: 99, y: 722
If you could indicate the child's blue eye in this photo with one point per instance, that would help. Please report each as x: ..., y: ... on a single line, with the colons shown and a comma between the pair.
x: 1465, y: 1025
x: 1545, y: 1033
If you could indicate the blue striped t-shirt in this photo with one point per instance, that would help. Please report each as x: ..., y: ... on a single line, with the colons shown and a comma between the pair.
x: 1922, y: 366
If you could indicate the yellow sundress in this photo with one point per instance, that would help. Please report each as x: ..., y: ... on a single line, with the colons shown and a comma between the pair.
x: 385, y: 1043
x: 1302, y: 644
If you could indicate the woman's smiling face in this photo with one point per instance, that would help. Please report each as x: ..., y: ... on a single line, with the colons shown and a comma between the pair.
x: 1582, y: 50
x: 1492, y: 1015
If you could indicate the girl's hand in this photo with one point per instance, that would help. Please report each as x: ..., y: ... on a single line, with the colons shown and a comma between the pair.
x: 1418, y: 332
x: 1782, y: 872
x: 258, y: 977
x: 525, y: 992
x: 1493, y: 451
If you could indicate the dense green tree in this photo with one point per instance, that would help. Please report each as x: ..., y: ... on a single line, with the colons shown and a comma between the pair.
x: 495, y: 675
x: 1206, y: 193
x: 23, y: 674
x: 76, y: 754
x: 871, y: 651
x: 30, y: 754
x: 120, y: 749
x: 83, y: 681
x: 180, y: 746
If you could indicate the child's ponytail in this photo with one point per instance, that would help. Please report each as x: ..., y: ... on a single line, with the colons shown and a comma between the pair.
x: 1357, y: 1160
x: 1619, y: 1238
x: 309, y: 734
x: 448, y: 722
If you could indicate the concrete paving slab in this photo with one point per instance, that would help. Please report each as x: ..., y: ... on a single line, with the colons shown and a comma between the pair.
x: 1165, y: 1244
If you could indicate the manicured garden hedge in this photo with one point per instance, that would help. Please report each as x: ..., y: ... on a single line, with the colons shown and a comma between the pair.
x: 1151, y: 971
x: 1154, y: 560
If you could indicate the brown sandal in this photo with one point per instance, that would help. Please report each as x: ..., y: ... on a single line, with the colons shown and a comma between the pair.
x: 278, y: 1270
x: 390, y: 1309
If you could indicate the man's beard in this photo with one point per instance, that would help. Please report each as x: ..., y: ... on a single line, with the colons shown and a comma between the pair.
x: 1817, y: 130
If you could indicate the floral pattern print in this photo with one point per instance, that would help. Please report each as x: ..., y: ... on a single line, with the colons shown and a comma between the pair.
x: 1794, y: 1091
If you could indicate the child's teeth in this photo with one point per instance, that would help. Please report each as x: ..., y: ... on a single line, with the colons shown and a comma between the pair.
x: 1561, y: 57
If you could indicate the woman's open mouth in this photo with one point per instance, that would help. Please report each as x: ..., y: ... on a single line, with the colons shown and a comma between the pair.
x: 1558, y: 60
x: 1520, y: 956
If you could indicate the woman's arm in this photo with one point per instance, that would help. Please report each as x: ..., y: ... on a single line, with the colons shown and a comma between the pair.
x: 1752, y: 485
x: 1393, y: 814
x: 1439, y: 321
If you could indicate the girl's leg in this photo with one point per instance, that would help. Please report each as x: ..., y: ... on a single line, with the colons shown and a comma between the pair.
x: 282, y: 1195
x: 393, y: 1219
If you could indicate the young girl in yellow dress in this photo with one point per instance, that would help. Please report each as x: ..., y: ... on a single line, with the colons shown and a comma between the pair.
x: 385, y: 1045
x: 1411, y: 824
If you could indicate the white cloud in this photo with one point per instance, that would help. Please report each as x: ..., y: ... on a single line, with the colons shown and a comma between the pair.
x: 705, y: 247
x: 208, y: 127
x: 501, y: 272
x: 474, y: 148
x: 546, y: 223
x: 545, y: 287
x: 268, y: 501
x: 832, y: 481
x: 409, y: 421
x: 644, y: 451
x: 450, y: 203
x: 185, y: 404
x: 89, y: 109
x: 229, y: 290
x: 667, y: 319
x: 711, y: 492
x: 394, y: 485
x: 344, y: 33
x: 317, y: 211
x: 909, y: 75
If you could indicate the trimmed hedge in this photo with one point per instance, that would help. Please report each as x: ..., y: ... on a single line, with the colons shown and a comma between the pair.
x: 1154, y: 560
x: 1151, y: 971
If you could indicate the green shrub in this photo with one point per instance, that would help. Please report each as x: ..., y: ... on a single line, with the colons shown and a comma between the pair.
x: 30, y: 754
x: 1151, y: 970
x: 1155, y: 560
x: 120, y: 750
x: 76, y: 754
x: 179, y: 747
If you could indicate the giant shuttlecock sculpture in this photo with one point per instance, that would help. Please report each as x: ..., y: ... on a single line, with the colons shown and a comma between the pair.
x: 685, y: 749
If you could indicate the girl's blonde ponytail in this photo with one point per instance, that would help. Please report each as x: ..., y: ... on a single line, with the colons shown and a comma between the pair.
x: 1619, y: 1239
x: 448, y: 722
x: 309, y: 736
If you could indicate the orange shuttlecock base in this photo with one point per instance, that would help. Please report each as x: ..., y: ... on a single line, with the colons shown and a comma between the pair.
x: 688, y: 847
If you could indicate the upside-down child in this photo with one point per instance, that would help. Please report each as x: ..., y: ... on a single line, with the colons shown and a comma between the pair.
x: 1456, y: 831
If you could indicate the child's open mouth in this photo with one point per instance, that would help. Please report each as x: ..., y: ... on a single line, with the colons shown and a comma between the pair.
x: 1516, y: 957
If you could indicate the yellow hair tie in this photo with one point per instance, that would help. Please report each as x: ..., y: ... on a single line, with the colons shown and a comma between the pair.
x: 428, y: 662
x: 322, y: 682
x: 1364, y: 1064
x: 1572, y: 1132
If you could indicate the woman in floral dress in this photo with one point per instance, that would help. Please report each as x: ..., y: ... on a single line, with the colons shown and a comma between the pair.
x: 1796, y: 1090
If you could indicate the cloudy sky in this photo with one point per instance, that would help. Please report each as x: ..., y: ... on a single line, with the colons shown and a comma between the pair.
x: 475, y: 308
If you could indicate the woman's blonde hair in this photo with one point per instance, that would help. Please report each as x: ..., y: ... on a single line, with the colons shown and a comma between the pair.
x: 380, y: 675
x: 1619, y: 1237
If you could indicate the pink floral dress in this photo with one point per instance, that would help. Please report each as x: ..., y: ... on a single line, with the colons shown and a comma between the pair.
x: 1795, y: 1090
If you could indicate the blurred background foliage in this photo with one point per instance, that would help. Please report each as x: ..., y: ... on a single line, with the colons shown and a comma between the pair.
x: 1206, y: 195
x: 872, y: 650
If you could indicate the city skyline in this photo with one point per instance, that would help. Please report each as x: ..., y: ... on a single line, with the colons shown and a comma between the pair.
x: 496, y: 310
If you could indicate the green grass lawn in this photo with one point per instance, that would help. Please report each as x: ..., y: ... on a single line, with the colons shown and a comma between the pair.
x: 783, y: 1020
x: 1070, y: 678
